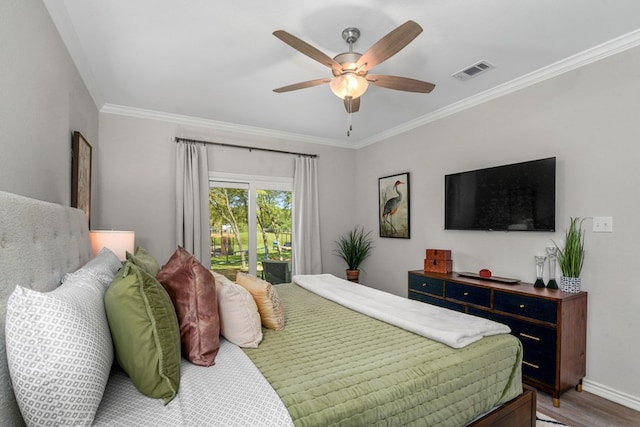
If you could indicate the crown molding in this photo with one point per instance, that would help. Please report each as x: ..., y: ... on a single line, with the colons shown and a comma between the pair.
x: 612, y: 47
x: 216, y: 125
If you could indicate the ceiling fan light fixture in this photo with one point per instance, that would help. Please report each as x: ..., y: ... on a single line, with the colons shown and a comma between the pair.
x: 351, y: 69
x: 348, y: 85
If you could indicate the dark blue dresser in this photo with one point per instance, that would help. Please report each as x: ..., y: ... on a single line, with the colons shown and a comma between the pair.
x: 551, y: 324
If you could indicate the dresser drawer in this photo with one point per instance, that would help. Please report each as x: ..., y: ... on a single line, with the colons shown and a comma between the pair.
x: 538, y: 345
x: 468, y: 294
x: 539, y: 351
x: 436, y: 301
x: 426, y: 284
x: 521, y: 305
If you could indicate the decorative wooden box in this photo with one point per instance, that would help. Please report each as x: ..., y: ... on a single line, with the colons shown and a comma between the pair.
x: 438, y: 261
x: 439, y: 254
x: 438, y: 265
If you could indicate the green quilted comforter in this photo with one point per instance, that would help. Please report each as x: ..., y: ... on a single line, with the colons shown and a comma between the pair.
x: 332, y: 366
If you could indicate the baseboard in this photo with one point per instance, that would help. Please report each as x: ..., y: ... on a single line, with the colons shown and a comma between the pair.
x: 608, y: 393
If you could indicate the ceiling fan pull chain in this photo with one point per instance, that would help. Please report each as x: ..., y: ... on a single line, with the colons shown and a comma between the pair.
x: 349, y: 126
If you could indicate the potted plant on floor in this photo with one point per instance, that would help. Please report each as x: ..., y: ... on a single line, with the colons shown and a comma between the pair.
x: 353, y: 248
x: 571, y: 257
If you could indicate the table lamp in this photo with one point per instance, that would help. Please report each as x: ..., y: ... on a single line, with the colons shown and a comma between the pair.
x: 118, y: 241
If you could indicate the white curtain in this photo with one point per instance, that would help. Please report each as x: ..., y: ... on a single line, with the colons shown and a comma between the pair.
x: 307, y: 257
x: 192, y: 200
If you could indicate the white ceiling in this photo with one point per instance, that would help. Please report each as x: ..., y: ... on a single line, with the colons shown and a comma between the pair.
x: 217, y: 63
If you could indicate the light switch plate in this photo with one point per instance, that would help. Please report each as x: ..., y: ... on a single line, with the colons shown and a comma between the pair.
x: 603, y: 224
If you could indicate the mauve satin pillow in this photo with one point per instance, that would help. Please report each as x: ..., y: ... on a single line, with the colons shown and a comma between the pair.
x: 193, y: 292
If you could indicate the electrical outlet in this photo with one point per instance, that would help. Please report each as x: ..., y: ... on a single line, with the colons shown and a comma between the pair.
x: 603, y: 224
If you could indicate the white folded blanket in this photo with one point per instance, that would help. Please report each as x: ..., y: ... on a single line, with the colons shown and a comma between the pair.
x: 449, y: 327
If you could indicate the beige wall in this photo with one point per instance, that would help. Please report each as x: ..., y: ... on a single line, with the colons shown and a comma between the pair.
x: 42, y: 101
x: 137, y: 156
x: 588, y: 119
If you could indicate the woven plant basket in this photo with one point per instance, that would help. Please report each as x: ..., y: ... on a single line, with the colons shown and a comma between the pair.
x: 353, y: 275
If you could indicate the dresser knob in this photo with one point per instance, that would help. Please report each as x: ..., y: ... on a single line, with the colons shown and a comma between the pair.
x: 521, y: 305
x: 466, y: 294
x: 424, y: 285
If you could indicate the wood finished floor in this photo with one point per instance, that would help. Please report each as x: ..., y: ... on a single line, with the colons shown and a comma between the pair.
x: 583, y: 409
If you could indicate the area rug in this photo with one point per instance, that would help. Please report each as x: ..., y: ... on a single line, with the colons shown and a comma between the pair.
x: 543, y: 420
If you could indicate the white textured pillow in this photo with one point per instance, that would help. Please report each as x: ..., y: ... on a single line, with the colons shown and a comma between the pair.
x: 103, y: 267
x: 59, y: 351
x: 239, y: 318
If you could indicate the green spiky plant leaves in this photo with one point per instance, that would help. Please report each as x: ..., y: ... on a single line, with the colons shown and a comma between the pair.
x: 571, y: 257
x: 354, y: 247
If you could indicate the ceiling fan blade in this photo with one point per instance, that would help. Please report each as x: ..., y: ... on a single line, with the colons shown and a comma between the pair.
x: 389, y: 45
x: 400, y: 83
x: 308, y: 50
x: 352, y: 105
x: 301, y: 85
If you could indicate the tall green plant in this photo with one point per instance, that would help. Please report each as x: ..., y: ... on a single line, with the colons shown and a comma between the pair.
x: 354, y: 247
x: 571, y: 257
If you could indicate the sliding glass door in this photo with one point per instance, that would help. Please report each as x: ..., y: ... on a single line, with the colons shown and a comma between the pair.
x: 250, y: 220
x: 229, y: 225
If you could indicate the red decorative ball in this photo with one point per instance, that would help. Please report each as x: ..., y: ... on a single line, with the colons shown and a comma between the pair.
x: 485, y: 273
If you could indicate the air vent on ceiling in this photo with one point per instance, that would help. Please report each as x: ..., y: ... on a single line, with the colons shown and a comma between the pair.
x: 473, y: 71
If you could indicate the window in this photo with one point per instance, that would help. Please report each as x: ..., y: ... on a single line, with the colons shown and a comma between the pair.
x: 250, y: 221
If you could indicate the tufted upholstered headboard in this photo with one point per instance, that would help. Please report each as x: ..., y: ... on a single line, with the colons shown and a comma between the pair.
x: 39, y: 243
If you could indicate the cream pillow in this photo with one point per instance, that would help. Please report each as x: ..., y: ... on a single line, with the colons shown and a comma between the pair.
x: 239, y: 318
x: 266, y: 298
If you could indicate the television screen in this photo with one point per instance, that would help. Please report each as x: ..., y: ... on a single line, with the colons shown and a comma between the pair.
x: 519, y: 196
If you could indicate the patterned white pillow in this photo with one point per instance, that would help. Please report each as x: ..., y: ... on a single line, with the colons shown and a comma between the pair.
x: 103, y: 267
x: 59, y: 351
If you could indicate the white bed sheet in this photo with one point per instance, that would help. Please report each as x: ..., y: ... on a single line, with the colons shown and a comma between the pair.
x: 232, y: 392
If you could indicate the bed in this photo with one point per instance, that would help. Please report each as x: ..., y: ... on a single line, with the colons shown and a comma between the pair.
x: 366, y: 372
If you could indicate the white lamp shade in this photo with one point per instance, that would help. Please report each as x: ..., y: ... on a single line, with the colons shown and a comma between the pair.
x: 118, y: 241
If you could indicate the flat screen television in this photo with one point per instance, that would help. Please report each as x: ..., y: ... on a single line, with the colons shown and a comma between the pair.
x: 515, y: 197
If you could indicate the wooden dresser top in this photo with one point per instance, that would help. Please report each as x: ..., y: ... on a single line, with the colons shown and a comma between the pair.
x: 519, y: 288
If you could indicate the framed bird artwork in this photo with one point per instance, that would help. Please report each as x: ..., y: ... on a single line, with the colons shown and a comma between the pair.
x: 393, y: 201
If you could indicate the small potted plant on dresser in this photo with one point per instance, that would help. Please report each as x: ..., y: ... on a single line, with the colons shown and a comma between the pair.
x: 353, y: 248
x: 571, y: 257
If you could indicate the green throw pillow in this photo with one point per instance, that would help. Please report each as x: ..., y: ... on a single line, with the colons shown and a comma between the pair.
x: 144, y: 328
x: 143, y: 259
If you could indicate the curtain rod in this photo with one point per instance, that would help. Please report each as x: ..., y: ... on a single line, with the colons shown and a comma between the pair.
x: 246, y: 147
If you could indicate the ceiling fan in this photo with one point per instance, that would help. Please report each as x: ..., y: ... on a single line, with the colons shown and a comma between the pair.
x: 351, y: 69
